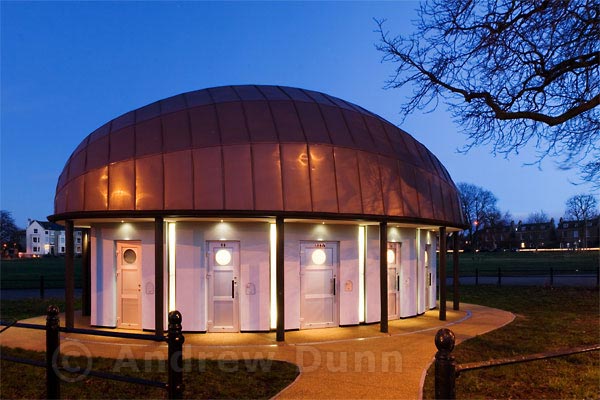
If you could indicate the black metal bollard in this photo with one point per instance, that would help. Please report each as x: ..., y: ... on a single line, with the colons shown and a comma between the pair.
x: 175, y: 340
x: 52, y: 353
x: 445, y: 366
x: 476, y: 276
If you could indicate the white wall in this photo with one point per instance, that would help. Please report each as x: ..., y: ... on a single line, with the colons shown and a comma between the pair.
x: 39, y: 235
x: 190, y: 276
x: 372, y: 300
x: 408, y: 268
x: 408, y: 274
x: 347, y: 236
x: 433, y: 264
x: 191, y: 270
x: 103, y: 271
x: 421, y: 270
x: 254, y: 271
x: 411, y: 272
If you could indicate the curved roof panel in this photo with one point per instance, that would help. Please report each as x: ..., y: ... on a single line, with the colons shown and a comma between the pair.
x: 256, y: 149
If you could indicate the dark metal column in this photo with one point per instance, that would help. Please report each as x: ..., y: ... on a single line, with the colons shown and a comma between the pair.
x: 442, y: 273
x: 69, y: 275
x: 279, y: 277
x: 86, y: 257
x: 159, y: 266
x: 455, y: 283
x: 175, y: 342
x: 52, y: 353
x: 383, y: 275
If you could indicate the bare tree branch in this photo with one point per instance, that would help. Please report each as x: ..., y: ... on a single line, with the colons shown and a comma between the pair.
x: 512, y: 72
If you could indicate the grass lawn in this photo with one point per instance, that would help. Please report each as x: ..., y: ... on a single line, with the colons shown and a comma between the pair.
x: 11, y: 310
x: 546, y: 319
x: 25, y: 273
x: 532, y: 262
x: 205, y: 379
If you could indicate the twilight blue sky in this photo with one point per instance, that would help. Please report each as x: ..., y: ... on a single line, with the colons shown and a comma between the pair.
x: 68, y: 67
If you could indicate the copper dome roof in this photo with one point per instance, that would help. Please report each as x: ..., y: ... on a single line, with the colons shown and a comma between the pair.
x: 255, y: 150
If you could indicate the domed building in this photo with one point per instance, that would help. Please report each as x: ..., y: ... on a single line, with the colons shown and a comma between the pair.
x: 253, y: 208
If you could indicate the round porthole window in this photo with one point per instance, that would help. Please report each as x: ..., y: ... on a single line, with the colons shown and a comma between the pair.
x: 129, y: 256
x: 223, y: 257
x: 391, y: 256
x: 318, y: 256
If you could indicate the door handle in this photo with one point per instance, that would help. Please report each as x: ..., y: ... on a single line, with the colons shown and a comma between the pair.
x: 397, y: 282
x: 334, y: 285
x: 232, y: 289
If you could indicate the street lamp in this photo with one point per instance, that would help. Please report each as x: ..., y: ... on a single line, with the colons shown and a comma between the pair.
x: 475, y: 239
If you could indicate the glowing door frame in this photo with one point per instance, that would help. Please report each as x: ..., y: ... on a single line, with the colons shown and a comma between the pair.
x: 335, y: 281
x: 396, y: 248
x: 234, y: 261
x: 122, y: 247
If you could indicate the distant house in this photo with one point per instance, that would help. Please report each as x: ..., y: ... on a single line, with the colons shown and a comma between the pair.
x: 540, y: 235
x: 578, y: 234
x: 537, y: 235
x: 497, y: 237
x: 47, y: 238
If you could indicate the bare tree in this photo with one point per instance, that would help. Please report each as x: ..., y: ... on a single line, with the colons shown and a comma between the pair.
x: 479, y: 208
x: 497, y: 219
x: 581, y: 207
x: 8, y: 229
x: 537, y: 217
x: 512, y: 73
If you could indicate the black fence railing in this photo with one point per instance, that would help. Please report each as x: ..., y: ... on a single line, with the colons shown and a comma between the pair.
x: 447, y: 370
x: 39, y: 284
x: 174, y: 338
x: 34, y: 282
x: 501, y: 275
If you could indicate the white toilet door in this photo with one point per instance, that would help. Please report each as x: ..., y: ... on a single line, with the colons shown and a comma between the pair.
x: 319, y: 284
x: 393, y: 263
x: 427, y: 277
x: 223, y: 294
x: 408, y: 288
x: 129, y: 285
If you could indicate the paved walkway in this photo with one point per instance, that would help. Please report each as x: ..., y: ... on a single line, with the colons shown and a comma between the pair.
x: 345, y: 363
